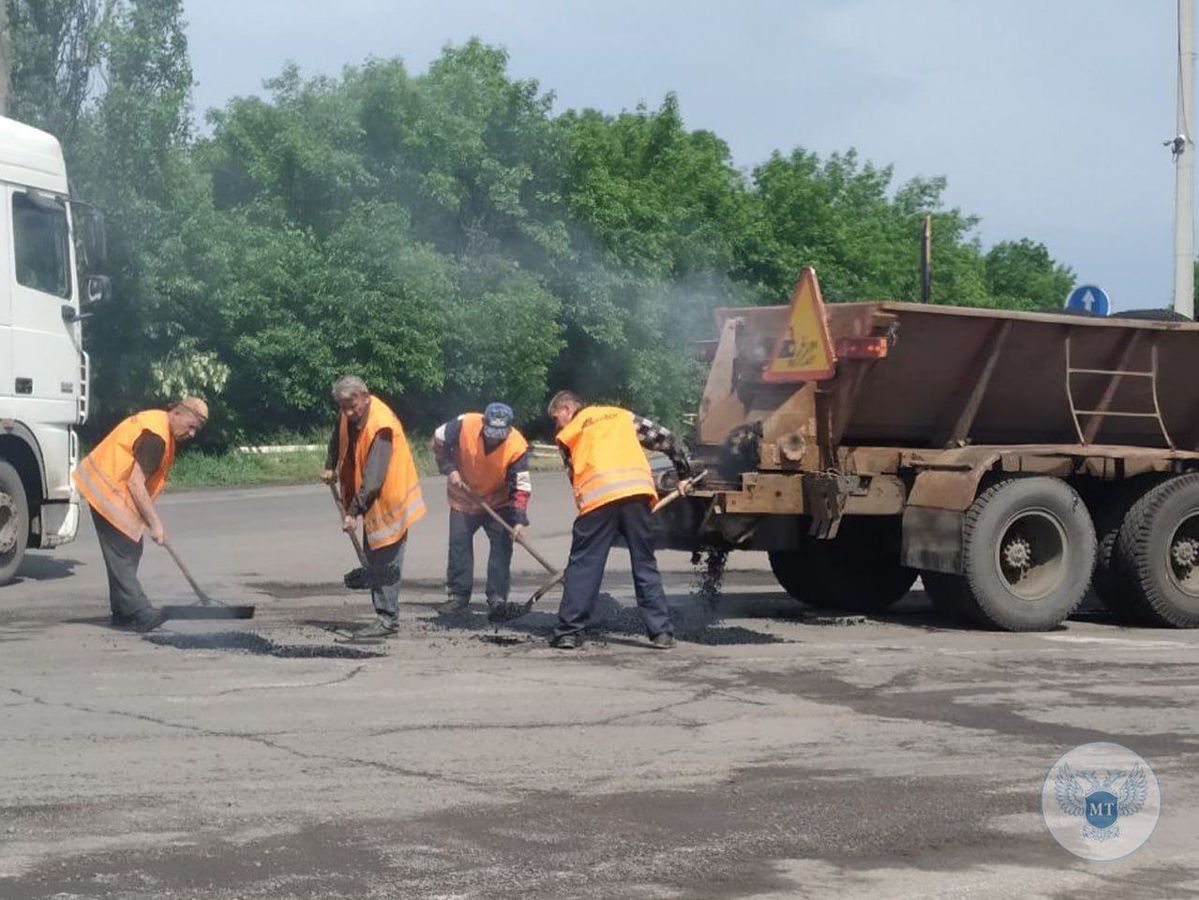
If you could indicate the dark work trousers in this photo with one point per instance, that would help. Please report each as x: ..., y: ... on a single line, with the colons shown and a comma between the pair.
x: 121, y: 558
x: 590, y: 542
x: 386, y: 600
x: 460, y: 565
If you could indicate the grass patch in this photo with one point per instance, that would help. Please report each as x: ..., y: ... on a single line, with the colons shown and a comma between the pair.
x: 198, y: 470
x: 193, y: 469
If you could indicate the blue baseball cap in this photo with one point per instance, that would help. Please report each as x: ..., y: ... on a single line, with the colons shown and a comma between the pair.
x: 497, y: 421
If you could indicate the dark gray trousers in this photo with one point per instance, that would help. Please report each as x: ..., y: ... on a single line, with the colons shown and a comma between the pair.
x: 386, y: 600
x: 591, y: 540
x: 460, y: 564
x: 121, y: 558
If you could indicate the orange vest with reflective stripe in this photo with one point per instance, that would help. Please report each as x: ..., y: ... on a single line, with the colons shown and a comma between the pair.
x: 103, y: 476
x: 606, y: 458
x: 400, y: 503
x: 486, y: 473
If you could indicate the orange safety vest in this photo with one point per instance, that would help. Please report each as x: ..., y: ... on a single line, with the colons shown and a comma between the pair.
x: 606, y: 459
x: 486, y: 473
x: 400, y: 503
x: 103, y: 476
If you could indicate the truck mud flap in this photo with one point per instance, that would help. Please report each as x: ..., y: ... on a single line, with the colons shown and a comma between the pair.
x: 932, y: 539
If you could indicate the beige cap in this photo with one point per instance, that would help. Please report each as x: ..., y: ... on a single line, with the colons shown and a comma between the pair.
x: 196, y: 407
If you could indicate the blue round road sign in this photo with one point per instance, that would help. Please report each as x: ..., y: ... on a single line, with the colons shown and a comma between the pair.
x: 1090, y: 298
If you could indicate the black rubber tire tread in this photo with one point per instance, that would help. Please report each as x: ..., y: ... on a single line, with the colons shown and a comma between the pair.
x: 997, y: 608
x: 1110, y: 509
x: 10, y: 483
x: 1149, y: 594
x: 857, y: 571
x: 950, y: 596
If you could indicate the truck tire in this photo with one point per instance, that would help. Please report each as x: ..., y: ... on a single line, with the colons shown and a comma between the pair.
x: 1157, y: 555
x: 14, y: 522
x: 858, y: 570
x: 1110, y: 511
x: 1028, y: 551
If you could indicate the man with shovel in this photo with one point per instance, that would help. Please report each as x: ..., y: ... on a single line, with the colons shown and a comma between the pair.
x: 485, y: 461
x: 370, y: 459
x: 120, y: 479
x: 602, y: 447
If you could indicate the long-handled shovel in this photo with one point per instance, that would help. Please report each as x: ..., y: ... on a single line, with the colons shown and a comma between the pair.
x: 209, y: 607
x: 366, y: 577
x: 510, y: 611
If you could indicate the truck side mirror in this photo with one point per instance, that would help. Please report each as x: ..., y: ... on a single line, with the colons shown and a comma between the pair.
x: 91, y: 238
x: 99, y: 290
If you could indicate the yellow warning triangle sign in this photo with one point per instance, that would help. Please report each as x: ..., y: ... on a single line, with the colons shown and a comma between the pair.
x: 804, y: 350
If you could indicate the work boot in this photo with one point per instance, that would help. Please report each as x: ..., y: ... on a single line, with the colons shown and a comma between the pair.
x: 662, y: 641
x: 454, y: 605
x: 120, y: 620
x: 148, y: 620
x: 383, y: 626
x: 567, y: 642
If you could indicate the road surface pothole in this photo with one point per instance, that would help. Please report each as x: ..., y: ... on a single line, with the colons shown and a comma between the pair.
x: 699, y: 623
x: 247, y: 642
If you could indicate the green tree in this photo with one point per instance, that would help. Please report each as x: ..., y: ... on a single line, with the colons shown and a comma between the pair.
x: 1022, y: 275
x: 56, y: 47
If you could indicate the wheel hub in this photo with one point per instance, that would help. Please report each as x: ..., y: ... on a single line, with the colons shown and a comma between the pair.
x: 8, y: 523
x: 1032, y: 554
x: 1017, y: 553
x: 1185, y: 553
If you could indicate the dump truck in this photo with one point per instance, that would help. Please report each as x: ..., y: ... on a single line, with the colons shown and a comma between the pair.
x: 1011, y: 460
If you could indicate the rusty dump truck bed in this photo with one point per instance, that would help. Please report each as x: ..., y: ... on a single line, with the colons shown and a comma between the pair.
x: 993, y: 377
x: 991, y: 451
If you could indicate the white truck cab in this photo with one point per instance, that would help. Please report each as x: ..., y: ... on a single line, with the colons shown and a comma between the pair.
x: 43, y: 368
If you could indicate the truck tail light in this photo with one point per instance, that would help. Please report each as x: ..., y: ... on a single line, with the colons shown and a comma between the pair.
x: 862, y: 348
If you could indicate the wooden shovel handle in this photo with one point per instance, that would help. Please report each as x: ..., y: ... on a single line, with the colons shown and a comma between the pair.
x: 353, y: 534
x: 204, y: 598
x: 546, y: 564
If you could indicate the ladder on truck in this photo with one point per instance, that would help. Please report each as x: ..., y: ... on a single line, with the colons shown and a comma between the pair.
x: 1094, y: 418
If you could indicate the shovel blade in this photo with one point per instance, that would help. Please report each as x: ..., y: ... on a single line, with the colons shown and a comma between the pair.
x: 192, y: 611
x: 370, y: 578
x: 508, y: 612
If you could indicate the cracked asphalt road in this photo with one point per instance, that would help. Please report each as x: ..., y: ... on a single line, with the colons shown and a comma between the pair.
x: 766, y: 757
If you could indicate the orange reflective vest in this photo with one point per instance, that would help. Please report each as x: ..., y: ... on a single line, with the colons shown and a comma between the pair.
x: 606, y: 458
x: 486, y: 473
x: 400, y: 503
x: 103, y: 476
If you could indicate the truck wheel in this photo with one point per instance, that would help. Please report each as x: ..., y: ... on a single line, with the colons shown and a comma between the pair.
x: 858, y: 570
x: 1157, y: 554
x: 14, y: 522
x: 1110, y: 513
x: 1028, y: 553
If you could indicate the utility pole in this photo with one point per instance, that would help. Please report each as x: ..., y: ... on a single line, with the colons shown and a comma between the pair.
x: 1184, y: 167
x: 926, y: 260
x: 5, y: 59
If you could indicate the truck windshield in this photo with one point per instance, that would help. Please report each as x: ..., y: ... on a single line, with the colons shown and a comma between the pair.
x: 41, y: 244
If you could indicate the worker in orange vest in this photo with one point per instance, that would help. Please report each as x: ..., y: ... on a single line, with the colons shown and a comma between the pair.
x: 603, y: 447
x: 120, y: 479
x: 482, y: 452
x: 370, y: 458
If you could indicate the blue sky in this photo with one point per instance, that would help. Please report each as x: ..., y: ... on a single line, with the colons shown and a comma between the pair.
x: 1046, y: 117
